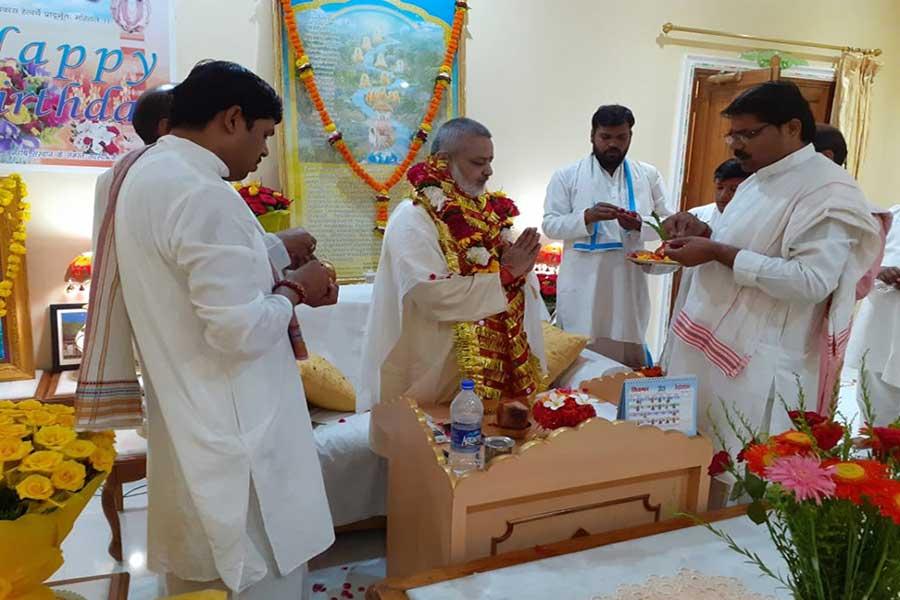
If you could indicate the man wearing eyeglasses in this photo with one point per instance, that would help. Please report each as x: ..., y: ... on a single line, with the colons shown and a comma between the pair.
x: 775, y: 286
x: 597, y: 207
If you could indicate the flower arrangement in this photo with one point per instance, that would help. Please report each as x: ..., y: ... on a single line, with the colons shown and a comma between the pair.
x: 562, y: 407
x: 269, y: 206
x: 831, y: 503
x: 547, y: 270
x: 48, y: 473
x: 21, y: 126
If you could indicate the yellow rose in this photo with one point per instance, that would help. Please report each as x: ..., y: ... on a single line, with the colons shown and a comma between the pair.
x: 26, y: 404
x: 39, y: 418
x: 65, y: 420
x: 7, y: 404
x: 55, y: 437
x: 13, y: 449
x: 42, y: 460
x: 59, y: 409
x: 104, y: 439
x: 68, y: 476
x: 6, y: 419
x: 79, y: 449
x: 14, y: 430
x: 35, y: 487
x: 102, y: 459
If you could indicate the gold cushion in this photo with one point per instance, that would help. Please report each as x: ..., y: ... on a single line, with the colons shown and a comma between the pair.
x: 561, y: 349
x: 326, y: 387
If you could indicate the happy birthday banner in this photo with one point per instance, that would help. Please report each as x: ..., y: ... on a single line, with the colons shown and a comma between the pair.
x: 71, y: 72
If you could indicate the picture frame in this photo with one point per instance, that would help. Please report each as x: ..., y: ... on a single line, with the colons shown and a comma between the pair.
x: 66, y: 321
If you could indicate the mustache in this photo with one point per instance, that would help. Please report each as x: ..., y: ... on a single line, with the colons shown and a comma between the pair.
x: 741, y: 155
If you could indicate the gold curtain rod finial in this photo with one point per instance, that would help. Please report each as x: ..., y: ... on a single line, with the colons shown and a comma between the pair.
x: 667, y: 27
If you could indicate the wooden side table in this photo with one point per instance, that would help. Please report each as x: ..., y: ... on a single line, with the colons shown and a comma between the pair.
x: 130, y: 465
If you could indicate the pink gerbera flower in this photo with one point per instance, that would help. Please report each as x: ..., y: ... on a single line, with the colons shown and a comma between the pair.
x: 803, y: 475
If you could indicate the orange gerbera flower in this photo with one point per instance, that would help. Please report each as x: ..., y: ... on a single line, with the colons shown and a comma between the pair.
x: 856, y: 479
x: 888, y: 500
x: 759, y: 457
x: 792, y: 442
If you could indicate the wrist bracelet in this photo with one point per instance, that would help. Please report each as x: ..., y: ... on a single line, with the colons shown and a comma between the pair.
x: 293, y: 286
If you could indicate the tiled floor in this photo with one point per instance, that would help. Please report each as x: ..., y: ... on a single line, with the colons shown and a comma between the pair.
x: 355, y: 559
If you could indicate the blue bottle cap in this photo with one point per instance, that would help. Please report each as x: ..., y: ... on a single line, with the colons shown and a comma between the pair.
x: 467, y: 385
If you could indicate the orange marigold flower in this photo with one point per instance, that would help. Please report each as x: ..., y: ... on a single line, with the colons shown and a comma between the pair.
x: 759, y: 457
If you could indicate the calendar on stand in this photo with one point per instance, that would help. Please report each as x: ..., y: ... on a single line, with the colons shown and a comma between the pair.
x: 664, y: 402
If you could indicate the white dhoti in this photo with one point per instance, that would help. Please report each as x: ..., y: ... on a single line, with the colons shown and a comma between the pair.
x: 274, y: 586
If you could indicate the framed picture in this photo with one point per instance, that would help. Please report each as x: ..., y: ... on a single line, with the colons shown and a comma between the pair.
x: 67, y: 323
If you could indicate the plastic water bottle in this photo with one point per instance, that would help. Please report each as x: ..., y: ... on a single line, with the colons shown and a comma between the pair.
x: 466, y: 414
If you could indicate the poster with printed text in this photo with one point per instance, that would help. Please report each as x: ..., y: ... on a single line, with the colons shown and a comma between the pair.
x: 375, y: 63
x: 70, y: 74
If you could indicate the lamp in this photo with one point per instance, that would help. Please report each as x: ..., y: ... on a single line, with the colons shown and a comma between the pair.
x: 78, y: 272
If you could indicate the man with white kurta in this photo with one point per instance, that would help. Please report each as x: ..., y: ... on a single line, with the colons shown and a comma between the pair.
x: 775, y: 285
x: 236, y: 499
x: 455, y: 297
x: 597, y: 207
x: 876, y: 335
x: 727, y: 176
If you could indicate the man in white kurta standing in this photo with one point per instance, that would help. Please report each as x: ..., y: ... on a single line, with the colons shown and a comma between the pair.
x: 727, y: 177
x: 775, y: 287
x: 597, y: 207
x: 455, y: 296
x: 876, y: 335
x: 236, y: 499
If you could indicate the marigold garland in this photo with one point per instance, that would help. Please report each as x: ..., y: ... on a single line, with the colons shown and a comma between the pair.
x: 18, y: 212
x: 335, y: 138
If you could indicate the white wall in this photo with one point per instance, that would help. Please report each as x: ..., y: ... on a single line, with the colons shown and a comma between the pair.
x: 537, y: 69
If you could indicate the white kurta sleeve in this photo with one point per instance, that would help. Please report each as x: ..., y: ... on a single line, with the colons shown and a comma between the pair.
x: 101, y: 201
x: 213, y: 242
x: 657, y: 202
x: 278, y: 254
x: 417, y: 258
x: 810, y: 274
x: 561, y: 220
x: 658, y: 194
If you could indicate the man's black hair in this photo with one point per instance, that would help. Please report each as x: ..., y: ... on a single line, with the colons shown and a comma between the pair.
x: 612, y: 115
x: 730, y: 169
x: 214, y: 86
x: 775, y: 102
x: 829, y: 137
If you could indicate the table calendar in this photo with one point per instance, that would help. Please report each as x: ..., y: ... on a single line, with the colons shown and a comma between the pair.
x: 664, y: 402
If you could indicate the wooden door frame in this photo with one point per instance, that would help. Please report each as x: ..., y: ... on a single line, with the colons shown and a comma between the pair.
x: 691, y: 64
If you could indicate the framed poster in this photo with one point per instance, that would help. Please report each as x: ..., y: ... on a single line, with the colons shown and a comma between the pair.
x: 67, y: 323
x: 375, y: 63
x: 70, y: 74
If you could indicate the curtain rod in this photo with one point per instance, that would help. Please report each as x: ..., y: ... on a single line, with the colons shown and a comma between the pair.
x: 669, y: 27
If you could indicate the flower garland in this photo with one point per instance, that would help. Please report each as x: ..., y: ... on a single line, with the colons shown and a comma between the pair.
x: 335, y: 138
x: 493, y: 352
x: 12, y: 204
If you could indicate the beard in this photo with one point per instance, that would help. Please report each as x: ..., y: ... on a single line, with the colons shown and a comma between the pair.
x: 466, y: 187
x: 610, y: 160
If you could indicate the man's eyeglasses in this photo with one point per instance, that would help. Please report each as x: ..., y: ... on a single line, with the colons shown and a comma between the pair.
x: 744, y: 136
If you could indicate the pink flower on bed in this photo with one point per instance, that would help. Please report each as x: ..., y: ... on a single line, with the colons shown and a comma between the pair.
x: 803, y: 475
